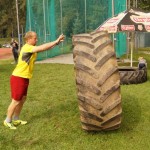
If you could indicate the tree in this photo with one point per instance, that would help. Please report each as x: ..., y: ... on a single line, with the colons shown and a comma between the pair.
x: 77, y: 25
x: 70, y: 20
x: 144, y: 4
x: 8, y: 23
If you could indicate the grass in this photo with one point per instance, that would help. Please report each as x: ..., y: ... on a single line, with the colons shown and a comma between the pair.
x: 54, y: 120
x: 144, y: 49
x: 4, y: 40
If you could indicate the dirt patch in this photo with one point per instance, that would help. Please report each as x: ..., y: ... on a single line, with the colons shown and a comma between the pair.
x: 5, y: 53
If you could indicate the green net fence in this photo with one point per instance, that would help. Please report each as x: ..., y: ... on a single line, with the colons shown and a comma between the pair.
x: 120, y: 38
x: 50, y: 18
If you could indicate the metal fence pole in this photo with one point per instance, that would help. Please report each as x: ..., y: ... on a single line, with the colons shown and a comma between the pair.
x: 18, y: 24
x: 85, y: 18
x: 29, y: 14
x: 113, y: 16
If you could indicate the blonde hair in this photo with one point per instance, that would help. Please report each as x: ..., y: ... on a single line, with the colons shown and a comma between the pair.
x: 29, y: 35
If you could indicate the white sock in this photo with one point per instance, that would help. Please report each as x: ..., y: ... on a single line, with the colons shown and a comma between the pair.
x: 16, y: 117
x: 8, y: 120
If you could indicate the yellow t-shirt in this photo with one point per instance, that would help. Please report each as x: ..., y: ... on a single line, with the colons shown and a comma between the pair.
x: 26, y: 61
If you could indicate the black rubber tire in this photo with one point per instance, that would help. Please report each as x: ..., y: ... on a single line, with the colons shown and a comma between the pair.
x: 132, y: 75
x: 98, y: 82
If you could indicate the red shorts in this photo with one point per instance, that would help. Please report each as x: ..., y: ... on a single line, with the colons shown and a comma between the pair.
x: 19, y: 87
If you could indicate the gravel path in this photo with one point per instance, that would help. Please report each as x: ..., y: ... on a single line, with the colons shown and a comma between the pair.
x: 61, y: 59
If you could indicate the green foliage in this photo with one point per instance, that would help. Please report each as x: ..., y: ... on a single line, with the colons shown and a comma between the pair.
x: 68, y: 23
x: 99, y: 11
x: 5, y: 40
x: 8, y: 21
x: 78, y: 26
x: 144, y: 4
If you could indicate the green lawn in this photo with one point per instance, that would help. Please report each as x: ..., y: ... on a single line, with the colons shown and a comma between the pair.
x: 54, y: 120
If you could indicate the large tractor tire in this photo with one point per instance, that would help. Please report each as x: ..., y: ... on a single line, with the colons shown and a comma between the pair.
x: 132, y: 75
x: 98, y: 82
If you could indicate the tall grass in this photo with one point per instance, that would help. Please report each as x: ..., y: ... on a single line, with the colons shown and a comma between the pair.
x: 54, y: 120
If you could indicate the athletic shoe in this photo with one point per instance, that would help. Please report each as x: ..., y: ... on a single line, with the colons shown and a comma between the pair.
x: 19, y: 122
x: 9, y: 125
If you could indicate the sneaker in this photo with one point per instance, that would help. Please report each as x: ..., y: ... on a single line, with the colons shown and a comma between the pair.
x: 19, y: 122
x: 9, y: 125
